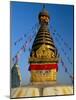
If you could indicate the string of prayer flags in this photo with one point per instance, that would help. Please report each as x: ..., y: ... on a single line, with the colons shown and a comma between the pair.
x: 24, y: 35
x: 66, y: 70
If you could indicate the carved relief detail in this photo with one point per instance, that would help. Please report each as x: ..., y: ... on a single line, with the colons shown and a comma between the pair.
x: 44, y: 52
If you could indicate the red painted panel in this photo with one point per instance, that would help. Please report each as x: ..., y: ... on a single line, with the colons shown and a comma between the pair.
x: 43, y: 66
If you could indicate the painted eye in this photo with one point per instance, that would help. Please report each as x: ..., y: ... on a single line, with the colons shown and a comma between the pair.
x: 40, y: 72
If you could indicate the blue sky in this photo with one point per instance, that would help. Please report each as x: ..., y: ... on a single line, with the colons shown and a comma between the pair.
x: 24, y: 16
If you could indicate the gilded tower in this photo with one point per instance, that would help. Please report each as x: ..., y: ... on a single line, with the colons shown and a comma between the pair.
x: 43, y: 57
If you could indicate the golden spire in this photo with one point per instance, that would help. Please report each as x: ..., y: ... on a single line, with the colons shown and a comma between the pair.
x: 43, y: 35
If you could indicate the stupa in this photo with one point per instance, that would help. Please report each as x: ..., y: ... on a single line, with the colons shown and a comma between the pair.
x: 44, y: 56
